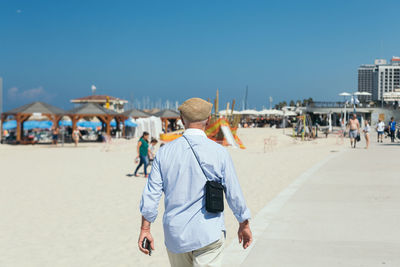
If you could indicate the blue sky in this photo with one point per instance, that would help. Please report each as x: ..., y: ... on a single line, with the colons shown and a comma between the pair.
x: 55, y: 50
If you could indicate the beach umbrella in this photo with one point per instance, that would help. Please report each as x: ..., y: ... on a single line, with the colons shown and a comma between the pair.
x: 362, y: 93
x: 8, y: 125
x: 29, y: 125
x: 345, y: 94
x: 89, y: 124
x: 130, y: 123
x: 65, y: 123
x: 45, y: 124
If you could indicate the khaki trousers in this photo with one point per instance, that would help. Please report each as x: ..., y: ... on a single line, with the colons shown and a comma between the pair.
x: 208, y: 256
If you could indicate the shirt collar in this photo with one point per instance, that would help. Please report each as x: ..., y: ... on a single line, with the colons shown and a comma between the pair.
x: 192, y: 131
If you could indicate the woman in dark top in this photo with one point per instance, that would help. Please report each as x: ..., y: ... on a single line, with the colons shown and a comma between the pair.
x: 143, y: 153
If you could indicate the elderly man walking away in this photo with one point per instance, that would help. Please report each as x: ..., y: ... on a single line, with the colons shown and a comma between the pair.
x: 354, y: 131
x: 194, y: 235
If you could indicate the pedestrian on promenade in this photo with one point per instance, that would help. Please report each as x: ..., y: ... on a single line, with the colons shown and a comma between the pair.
x: 183, y: 170
x: 354, y: 129
x: 76, y: 134
x: 143, y: 153
x: 392, y: 128
x: 380, y: 128
x: 366, y: 130
x: 55, y: 135
x: 343, y: 127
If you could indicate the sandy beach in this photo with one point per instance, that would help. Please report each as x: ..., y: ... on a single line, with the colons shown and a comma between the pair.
x: 67, y: 206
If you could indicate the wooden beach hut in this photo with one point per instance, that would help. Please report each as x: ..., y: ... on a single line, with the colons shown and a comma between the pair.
x: 168, y: 116
x: 90, y: 110
x: 135, y: 114
x: 22, y: 114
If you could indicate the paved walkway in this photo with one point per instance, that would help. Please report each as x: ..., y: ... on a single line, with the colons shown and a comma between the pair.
x: 343, y: 212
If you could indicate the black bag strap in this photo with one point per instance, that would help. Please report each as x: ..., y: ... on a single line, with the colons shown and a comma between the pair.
x: 197, y: 158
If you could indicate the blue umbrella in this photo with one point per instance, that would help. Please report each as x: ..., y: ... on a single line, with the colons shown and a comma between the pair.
x: 130, y: 123
x: 45, y: 124
x: 29, y: 125
x: 89, y: 124
x: 113, y: 123
x: 65, y: 123
x: 8, y: 125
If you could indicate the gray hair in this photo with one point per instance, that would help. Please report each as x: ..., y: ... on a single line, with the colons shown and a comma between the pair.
x: 187, y: 122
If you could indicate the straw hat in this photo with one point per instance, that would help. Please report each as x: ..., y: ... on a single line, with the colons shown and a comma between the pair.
x: 195, y: 109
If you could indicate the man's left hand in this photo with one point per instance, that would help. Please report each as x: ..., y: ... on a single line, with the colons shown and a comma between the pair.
x: 244, y: 234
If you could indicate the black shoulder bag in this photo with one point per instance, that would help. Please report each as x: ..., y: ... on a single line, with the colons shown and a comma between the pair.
x: 214, y: 190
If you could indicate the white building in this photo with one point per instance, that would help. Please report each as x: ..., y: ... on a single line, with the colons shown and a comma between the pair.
x: 380, y: 79
x: 109, y: 102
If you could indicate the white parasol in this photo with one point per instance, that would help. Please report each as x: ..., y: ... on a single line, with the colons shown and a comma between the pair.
x: 362, y: 93
x: 345, y: 94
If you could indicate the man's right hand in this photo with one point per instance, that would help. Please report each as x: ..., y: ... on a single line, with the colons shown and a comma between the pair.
x: 145, y: 233
x: 244, y: 234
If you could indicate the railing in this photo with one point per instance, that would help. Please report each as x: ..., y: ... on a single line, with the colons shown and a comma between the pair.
x: 325, y: 104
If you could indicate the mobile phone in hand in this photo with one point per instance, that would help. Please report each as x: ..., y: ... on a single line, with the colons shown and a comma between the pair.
x: 146, y: 245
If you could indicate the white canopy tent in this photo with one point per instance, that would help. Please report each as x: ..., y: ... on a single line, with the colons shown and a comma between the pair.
x: 274, y: 112
x: 249, y: 112
x: 224, y: 113
x: 152, y: 125
x: 290, y: 113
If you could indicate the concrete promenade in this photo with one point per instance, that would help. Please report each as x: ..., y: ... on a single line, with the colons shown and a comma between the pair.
x: 344, y: 212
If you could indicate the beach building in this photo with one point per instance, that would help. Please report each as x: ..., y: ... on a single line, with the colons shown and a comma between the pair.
x: 169, y: 119
x: 135, y: 114
x: 381, y: 79
x: 34, y: 109
x: 108, y: 102
x: 90, y: 110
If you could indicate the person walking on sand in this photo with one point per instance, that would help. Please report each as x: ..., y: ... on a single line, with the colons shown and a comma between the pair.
x: 143, y: 153
x: 392, y: 128
x: 366, y: 130
x: 183, y: 170
x: 380, y: 128
x: 354, y: 126
x: 152, y: 148
x: 76, y: 134
x: 55, y: 135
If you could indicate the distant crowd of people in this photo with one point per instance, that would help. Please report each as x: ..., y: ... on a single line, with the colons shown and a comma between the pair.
x: 354, y: 128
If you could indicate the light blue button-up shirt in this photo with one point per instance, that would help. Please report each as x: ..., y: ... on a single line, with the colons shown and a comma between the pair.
x: 176, y: 172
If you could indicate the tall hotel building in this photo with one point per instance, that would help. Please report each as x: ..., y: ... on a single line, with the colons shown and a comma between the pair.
x: 381, y: 79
